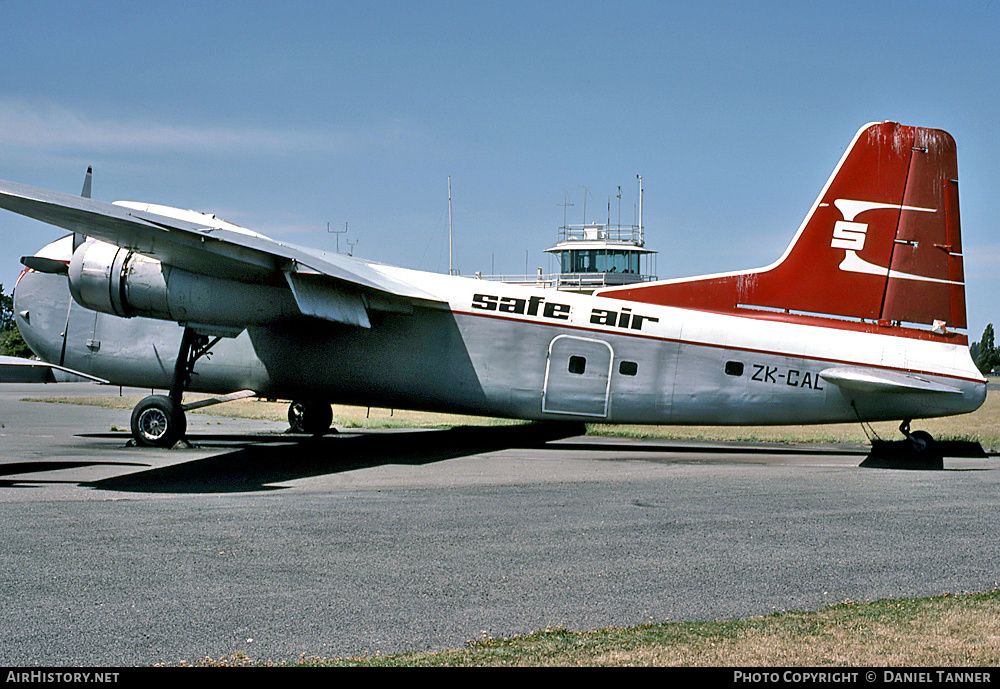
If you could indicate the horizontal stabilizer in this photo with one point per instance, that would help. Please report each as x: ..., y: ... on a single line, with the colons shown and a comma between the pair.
x: 868, y: 381
x: 17, y: 370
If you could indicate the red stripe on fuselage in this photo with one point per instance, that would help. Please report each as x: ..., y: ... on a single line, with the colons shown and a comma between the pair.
x: 562, y: 325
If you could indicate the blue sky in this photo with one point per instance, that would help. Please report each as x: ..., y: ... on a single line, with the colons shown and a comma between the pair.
x: 284, y: 117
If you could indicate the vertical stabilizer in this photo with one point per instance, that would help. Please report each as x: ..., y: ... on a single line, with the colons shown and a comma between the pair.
x: 87, y: 181
x: 881, y: 243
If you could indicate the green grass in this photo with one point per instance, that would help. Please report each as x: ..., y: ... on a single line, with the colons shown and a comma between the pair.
x: 941, y: 631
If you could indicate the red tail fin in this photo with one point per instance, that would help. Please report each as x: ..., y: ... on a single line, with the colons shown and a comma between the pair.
x: 881, y: 243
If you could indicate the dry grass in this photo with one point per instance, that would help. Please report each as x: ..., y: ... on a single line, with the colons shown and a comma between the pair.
x: 945, y: 631
x: 251, y: 408
x: 982, y: 426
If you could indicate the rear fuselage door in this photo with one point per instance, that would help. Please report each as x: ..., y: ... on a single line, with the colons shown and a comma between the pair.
x: 577, y: 376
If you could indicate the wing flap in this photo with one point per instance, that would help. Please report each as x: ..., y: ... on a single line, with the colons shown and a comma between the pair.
x: 316, y: 297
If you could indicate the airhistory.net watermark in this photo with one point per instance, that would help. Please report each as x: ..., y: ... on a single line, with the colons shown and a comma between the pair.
x: 48, y: 676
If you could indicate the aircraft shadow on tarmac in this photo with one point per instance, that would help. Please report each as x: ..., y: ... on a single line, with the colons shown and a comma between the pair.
x: 261, y: 461
x: 255, y: 462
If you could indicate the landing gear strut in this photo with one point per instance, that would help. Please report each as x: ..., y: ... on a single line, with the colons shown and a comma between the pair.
x: 919, y: 450
x: 158, y: 420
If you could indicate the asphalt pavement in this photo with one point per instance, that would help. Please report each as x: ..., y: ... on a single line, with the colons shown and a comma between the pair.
x: 259, y: 543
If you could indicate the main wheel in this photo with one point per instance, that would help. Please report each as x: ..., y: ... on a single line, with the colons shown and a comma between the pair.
x: 157, y: 423
x: 310, y: 417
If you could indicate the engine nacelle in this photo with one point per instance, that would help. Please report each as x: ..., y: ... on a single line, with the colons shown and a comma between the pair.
x: 109, y: 279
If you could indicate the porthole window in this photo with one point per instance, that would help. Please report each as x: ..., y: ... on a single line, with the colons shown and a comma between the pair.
x: 577, y: 364
x: 734, y: 368
x: 628, y: 368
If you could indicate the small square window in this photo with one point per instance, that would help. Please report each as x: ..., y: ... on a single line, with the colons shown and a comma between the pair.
x: 734, y: 368
x: 577, y: 364
x: 628, y: 368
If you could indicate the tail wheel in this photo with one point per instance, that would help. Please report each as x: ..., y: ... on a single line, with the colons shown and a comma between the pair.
x: 922, y: 441
x: 310, y: 417
x: 156, y: 422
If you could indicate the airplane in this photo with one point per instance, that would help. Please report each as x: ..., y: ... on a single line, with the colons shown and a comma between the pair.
x: 861, y: 319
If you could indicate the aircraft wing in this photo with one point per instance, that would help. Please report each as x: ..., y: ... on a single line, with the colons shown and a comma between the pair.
x: 201, y: 244
x: 868, y: 381
x: 17, y: 370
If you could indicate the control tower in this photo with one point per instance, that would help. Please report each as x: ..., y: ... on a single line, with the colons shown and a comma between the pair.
x: 592, y: 256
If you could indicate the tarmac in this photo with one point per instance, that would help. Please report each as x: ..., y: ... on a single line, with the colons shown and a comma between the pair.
x: 273, y: 546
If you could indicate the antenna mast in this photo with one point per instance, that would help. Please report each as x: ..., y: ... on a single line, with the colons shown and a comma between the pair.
x: 451, y: 269
x: 338, y: 233
x: 641, y: 241
x: 565, y: 204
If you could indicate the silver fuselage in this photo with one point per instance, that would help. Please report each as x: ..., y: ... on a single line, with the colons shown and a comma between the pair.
x: 504, y: 350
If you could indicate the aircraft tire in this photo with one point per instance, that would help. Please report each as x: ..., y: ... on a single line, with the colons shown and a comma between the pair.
x: 923, y: 442
x: 296, y: 412
x: 156, y: 423
x: 310, y: 417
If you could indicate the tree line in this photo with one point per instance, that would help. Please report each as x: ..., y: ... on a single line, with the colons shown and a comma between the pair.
x: 984, y: 352
x: 11, y: 342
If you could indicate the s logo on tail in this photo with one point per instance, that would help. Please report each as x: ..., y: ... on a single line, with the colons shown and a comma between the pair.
x: 850, y: 235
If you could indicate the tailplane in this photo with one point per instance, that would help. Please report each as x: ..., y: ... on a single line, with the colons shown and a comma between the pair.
x: 881, y: 244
